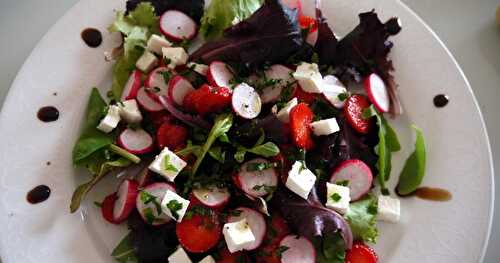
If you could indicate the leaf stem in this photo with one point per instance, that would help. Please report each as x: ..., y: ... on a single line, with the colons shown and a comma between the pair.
x: 124, y: 153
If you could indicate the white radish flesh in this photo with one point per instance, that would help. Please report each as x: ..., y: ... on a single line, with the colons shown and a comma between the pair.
x: 219, y: 74
x: 156, y: 83
x: 300, y: 249
x: 125, y: 204
x: 281, y: 74
x: 136, y: 141
x: 246, y: 101
x: 256, y: 222
x: 256, y: 183
x: 132, y: 86
x: 177, y: 26
x: 158, y: 191
x: 146, y: 102
x: 377, y: 92
x: 213, y: 197
x: 356, y: 174
x: 178, y: 88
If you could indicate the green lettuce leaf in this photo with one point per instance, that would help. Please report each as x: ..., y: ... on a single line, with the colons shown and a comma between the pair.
x: 362, y: 218
x: 124, y: 252
x: 414, y: 170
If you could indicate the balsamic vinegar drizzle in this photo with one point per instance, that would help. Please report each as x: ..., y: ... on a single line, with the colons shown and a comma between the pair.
x: 38, y: 194
x: 92, y: 37
x: 48, y: 114
x: 441, y: 100
x: 430, y: 194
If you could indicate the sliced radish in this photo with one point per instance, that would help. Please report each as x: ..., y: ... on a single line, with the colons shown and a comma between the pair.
x: 377, y: 92
x: 213, y: 197
x: 127, y: 194
x: 178, y: 88
x: 246, y: 101
x: 146, y: 102
x: 253, y: 182
x: 132, y: 86
x: 357, y: 175
x: 219, y: 74
x: 177, y: 26
x: 150, y: 212
x: 156, y: 84
x: 282, y: 75
x: 300, y: 249
x: 136, y: 141
x: 107, y: 208
x: 256, y: 222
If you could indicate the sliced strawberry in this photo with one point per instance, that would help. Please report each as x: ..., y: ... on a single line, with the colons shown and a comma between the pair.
x: 361, y: 253
x: 301, y: 117
x: 307, y: 22
x: 200, y: 232
x: 303, y: 96
x: 107, y: 207
x: 170, y: 135
x: 207, y: 99
x: 353, y: 111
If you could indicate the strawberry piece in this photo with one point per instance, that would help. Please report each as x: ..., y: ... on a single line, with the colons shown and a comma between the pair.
x: 361, y: 253
x: 227, y: 257
x: 172, y: 136
x: 107, y: 207
x: 353, y: 111
x: 307, y: 22
x: 301, y: 117
x: 200, y: 232
x: 303, y: 96
x: 207, y: 99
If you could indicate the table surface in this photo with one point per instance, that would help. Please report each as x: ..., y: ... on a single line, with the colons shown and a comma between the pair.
x: 467, y: 27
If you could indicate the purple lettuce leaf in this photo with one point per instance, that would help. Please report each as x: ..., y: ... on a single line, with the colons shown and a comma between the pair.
x: 326, y: 44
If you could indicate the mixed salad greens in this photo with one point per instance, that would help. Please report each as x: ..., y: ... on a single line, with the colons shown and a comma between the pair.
x: 256, y: 146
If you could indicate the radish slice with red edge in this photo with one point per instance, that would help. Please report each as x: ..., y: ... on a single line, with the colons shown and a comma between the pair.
x: 136, y: 141
x: 125, y: 204
x: 253, y: 182
x: 246, y: 101
x: 193, y: 121
x: 300, y: 249
x: 281, y: 74
x: 156, y: 84
x: 219, y: 74
x: 147, y: 202
x: 178, y: 88
x: 177, y: 26
x: 146, y: 102
x: 256, y: 222
x: 132, y: 86
x: 212, y: 197
x: 377, y: 92
x: 107, y: 208
x: 356, y: 174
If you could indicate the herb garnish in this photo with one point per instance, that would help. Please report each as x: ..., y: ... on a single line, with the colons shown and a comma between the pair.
x: 260, y: 166
x: 342, y: 182
x: 168, y: 166
x: 174, y: 206
x: 335, y: 197
x: 280, y: 250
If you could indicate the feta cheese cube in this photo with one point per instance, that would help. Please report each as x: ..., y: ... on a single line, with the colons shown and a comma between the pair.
x: 284, y: 114
x: 174, y: 205
x: 338, y: 197
x: 179, y: 256
x: 389, y: 209
x: 129, y: 111
x: 325, y: 127
x: 200, y: 68
x: 309, y: 77
x: 176, y: 55
x: 167, y: 164
x: 146, y: 62
x: 237, y: 235
x: 300, y: 180
x: 207, y: 259
x: 156, y: 42
x: 332, y: 88
x: 111, y: 120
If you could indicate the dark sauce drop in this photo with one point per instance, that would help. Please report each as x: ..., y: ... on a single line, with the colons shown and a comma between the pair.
x: 429, y: 193
x: 441, y: 100
x: 38, y: 194
x: 92, y: 37
x: 393, y: 26
x: 48, y: 114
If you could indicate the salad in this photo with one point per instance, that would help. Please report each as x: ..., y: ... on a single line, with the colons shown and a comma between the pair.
x: 246, y: 131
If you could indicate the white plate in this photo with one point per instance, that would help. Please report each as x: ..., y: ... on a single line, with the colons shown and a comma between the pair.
x: 459, y: 156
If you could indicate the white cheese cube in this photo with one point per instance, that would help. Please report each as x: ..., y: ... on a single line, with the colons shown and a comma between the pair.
x: 309, y: 77
x: 238, y: 235
x: 129, y: 111
x: 175, y: 55
x: 284, y: 114
x: 338, y: 197
x: 389, y: 209
x: 146, y: 62
x: 332, y: 88
x: 167, y: 164
x: 156, y: 42
x: 111, y: 120
x: 200, y: 68
x: 179, y: 256
x: 325, y: 127
x: 174, y: 205
x: 300, y: 180
x: 207, y: 259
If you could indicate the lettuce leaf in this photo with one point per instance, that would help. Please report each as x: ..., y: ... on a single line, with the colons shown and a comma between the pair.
x: 362, y: 218
x: 220, y: 14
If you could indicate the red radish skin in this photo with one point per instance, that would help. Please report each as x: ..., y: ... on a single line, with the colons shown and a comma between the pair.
x: 361, y: 253
x: 177, y: 26
x: 125, y: 204
x: 155, y: 82
x: 219, y: 74
x: 213, y: 197
x: 136, y: 141
x: 146, y: 102
x: 353, y: 111
x: 255, y: 221
x: 249, y: 181
x: 300, y: 249
x: 200, y: 232
x: 377, y: 92
x: 107, y: 207
x: 246, y: 101
x: 358, y: 175
x: 132, y: 86
x: 158, y: 190
x: 178, y: 88
x: 276, y: 72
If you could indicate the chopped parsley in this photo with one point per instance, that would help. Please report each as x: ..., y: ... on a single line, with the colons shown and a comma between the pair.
x: 251, y: 167
x: 148, y: 198
x: 280, y: 250
x: 335, y: 197
x: 174, y: 206
x: 342, y: 96
x: 168, y: 166
x: 149, y: 215
x: 342, y: 182
x: 268, y: 189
